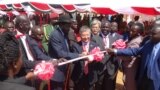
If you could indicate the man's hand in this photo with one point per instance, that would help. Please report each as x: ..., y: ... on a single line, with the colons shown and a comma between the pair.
x: 110, y: 51
x: 62, y: 60
x: 29, y: 76
x: 56, y: 61
x: 83, y: 54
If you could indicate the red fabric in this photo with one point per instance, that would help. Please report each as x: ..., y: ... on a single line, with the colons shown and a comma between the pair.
x: 86, y: 67
x: 17, y: 6
x: 53, y: 15
x: 2, y: 30
x: 146, y: 10
x: 119, y: 44
x: 3, y: 7
x: 69, y: 8
x: 86, y: 61
x: 44, y: 70
x: 40, y: 6
x: 97, y: 54
x: 18, y: 36
x: 102, y: 10
x: 78, y: 38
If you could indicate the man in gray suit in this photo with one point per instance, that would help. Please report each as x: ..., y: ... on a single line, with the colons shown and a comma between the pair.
x: 111, y: 64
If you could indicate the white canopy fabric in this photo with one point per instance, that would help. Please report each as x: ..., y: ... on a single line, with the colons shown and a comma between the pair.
x: 149, y: 7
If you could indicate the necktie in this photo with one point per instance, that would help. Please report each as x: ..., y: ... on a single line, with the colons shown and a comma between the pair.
x: 85, y: 49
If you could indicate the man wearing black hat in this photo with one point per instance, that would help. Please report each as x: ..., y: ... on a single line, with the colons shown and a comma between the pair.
x: 59, y: 48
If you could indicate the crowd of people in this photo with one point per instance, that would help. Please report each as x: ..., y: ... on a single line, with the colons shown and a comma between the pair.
x: 23, y: 45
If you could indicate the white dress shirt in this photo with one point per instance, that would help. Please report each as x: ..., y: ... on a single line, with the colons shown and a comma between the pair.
x: 106, y: 41
x: 27, y: 49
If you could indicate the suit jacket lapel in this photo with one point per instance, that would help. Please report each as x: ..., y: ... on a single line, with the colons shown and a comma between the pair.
x: 24, y: 54
x: 91, y: 46
x: 29, y: 41
x: 81, y: 47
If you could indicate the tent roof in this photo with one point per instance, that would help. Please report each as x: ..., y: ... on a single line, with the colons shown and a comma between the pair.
x: 149, y: 7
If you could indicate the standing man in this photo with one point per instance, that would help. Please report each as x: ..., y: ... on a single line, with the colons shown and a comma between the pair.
x: 148, y: 76
x: 59, y: 48
x: 113, y: 32
x: 73, y: 34
x: 9, y: 26
x: 98, y: 29
x: 29, y: 56
x: 130, y: 64
x: 111, y: 65
x: 84, y: 73
x: 22, y: 25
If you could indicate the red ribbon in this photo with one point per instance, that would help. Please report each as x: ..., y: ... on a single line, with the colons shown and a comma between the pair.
x: 44, y: 70
x: 97, y: 54
x: 119, y: 44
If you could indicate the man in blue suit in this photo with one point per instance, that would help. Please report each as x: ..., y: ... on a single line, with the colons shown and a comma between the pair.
x: 149, y: 75
x: 35, y: 43
x: 59, y: 48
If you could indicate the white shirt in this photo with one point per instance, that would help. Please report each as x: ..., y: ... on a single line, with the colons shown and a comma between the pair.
x: 113, y: 34
x: 106, y: 41
x: 85, y: 46
x: 27, y: 49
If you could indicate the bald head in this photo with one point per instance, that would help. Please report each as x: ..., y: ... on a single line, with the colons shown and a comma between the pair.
x: 22, y: 24
x: 20, y: 19
x: 37, y: 33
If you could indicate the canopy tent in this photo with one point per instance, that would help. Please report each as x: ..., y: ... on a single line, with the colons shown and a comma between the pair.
x: 149, y: 7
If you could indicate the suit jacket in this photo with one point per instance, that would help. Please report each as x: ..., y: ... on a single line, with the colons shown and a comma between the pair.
x: 145, y: 52
x: 71, y: 37
x: 27, y: 64
x: 78, y: 70
x: 134, y: 43
x: 101, y: 66
x: 112, y: 38
x: 36, y: 51
x: 111, y: 65
x: 58, y: 48
x: 14, y: 84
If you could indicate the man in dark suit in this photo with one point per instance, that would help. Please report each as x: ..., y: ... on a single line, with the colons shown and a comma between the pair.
x: 97, y: 37
x: 84, y: 73
x: 148, y: 76
x: 30, y: 50
x: 35, y: 43
x: 59, y: 48
x: 73, y: 34
x: 22, y: 25
x: 113, y: 33
x: 111, y: 64
x: 31, y: 54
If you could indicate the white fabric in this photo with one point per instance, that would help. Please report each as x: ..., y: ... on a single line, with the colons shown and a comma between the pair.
x: 106, y: 41
x: 85, y: 46
x: 30, y: 57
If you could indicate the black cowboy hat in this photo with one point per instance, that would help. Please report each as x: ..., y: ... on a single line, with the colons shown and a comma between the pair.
x: 64, y: 19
